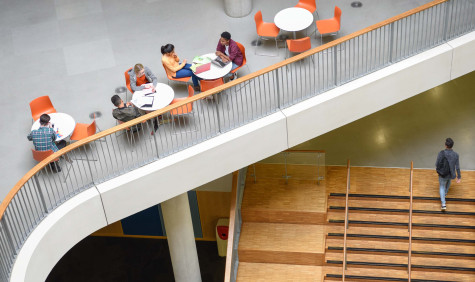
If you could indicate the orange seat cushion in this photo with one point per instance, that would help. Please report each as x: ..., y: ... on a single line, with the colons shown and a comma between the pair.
x: 327, y: 26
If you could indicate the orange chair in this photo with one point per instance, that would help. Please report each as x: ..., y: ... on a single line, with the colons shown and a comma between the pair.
x: 185, y: 109
x: 244, y: 61
x: 127, y: 80
x: 39, y: 156
x: 83, y: 130
x: 265, y: 30
x: 183, y: 79
x: 299, y: 45
x: 308, y: 5
x: 210, y: 84
x: 329, y: 26
x: 41, y: 105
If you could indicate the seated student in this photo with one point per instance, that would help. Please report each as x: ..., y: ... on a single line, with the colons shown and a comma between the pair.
x: 172, y: 65
x: 44, y: 139
x: 140, y: 75
x: 127, y: 111
x: 228, y: 50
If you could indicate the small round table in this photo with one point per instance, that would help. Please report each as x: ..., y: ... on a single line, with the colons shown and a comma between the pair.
x: 293, y: 19
x: 162, y: 97
x: 63, y: 125
x: 214, y: 72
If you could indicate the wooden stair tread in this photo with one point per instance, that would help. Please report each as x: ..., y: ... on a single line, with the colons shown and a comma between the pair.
x: 395, y: 259
x: 400, y: 251
x: 378, y: 278
x: 282, y: 237
x: 397, y: 197
x: 403, y: 218
x: 260, y: 272
x: 403, y: 211
x: 415, y: 274
x: 376, y: 203
x: 441, y: 268
x: 404, y: 225
x: 403, y: 246
x: 405, y: 238
x: 403, y: 232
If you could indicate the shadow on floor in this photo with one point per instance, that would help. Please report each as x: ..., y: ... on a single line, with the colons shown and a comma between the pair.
x: 130, y: 259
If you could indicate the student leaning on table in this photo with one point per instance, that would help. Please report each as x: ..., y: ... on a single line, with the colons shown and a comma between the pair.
x: 172, y: 65
x: 140, y: 75
x: 228, y: 50
x: 127, y: 111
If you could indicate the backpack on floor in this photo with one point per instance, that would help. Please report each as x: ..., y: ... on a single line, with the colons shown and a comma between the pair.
x: 443, y: 168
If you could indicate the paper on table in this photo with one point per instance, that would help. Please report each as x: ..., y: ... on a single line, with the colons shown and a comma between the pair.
x: 144, y: 101
x: 201, y: 60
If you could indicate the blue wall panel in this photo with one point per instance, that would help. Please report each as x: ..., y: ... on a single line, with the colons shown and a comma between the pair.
x: 146, y: 222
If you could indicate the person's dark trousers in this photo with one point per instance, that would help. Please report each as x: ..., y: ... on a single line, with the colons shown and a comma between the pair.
x: 55, y: 167
x: 186, y: 72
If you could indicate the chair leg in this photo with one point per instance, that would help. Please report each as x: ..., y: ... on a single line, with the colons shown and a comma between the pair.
x: 276, y: 46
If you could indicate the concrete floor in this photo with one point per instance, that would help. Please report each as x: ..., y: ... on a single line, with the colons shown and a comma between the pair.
x: 76, y: 52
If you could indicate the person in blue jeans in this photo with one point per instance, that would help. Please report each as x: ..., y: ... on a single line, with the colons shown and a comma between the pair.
x: 454, y: 167
x: 173, y: 67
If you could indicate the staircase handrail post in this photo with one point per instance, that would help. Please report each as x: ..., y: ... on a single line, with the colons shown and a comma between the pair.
x: 346, y: 220
x: 409, y: 252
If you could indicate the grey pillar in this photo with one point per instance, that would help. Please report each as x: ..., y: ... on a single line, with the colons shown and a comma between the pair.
x: 181, y: 239
x: 237, y: 8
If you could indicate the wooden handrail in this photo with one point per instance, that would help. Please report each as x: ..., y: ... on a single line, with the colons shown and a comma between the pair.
x: 202, y: 95
x: 409, y: 252
x: 232, y: 222
x: 346, y: 219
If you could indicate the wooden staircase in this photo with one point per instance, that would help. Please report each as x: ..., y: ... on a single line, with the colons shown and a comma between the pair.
x: 443, y: 243
x: 294, y: 231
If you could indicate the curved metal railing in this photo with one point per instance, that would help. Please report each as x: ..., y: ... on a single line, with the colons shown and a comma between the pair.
x: 115, y: 151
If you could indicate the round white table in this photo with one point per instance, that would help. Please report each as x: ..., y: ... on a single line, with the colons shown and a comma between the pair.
x: 293, y: 19
x: 214, y: 72
x: 162, y: 97
x: 63, y: 124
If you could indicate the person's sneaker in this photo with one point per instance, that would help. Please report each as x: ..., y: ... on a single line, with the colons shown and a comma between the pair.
x: 443, y: 208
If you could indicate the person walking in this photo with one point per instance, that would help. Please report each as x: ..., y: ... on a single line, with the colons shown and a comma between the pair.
x: 448, y: 168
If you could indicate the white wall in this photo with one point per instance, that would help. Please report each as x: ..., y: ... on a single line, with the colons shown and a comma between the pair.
x: 186, y: 170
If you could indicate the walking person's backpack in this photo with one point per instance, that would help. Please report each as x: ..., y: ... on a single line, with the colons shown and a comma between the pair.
x: 443, y: 168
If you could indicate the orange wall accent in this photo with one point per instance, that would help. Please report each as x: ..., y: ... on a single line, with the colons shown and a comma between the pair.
x: 212, y: 206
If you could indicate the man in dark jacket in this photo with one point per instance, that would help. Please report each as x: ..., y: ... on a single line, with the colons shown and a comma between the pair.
x: 124, y: 111
x: 454, y: 167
